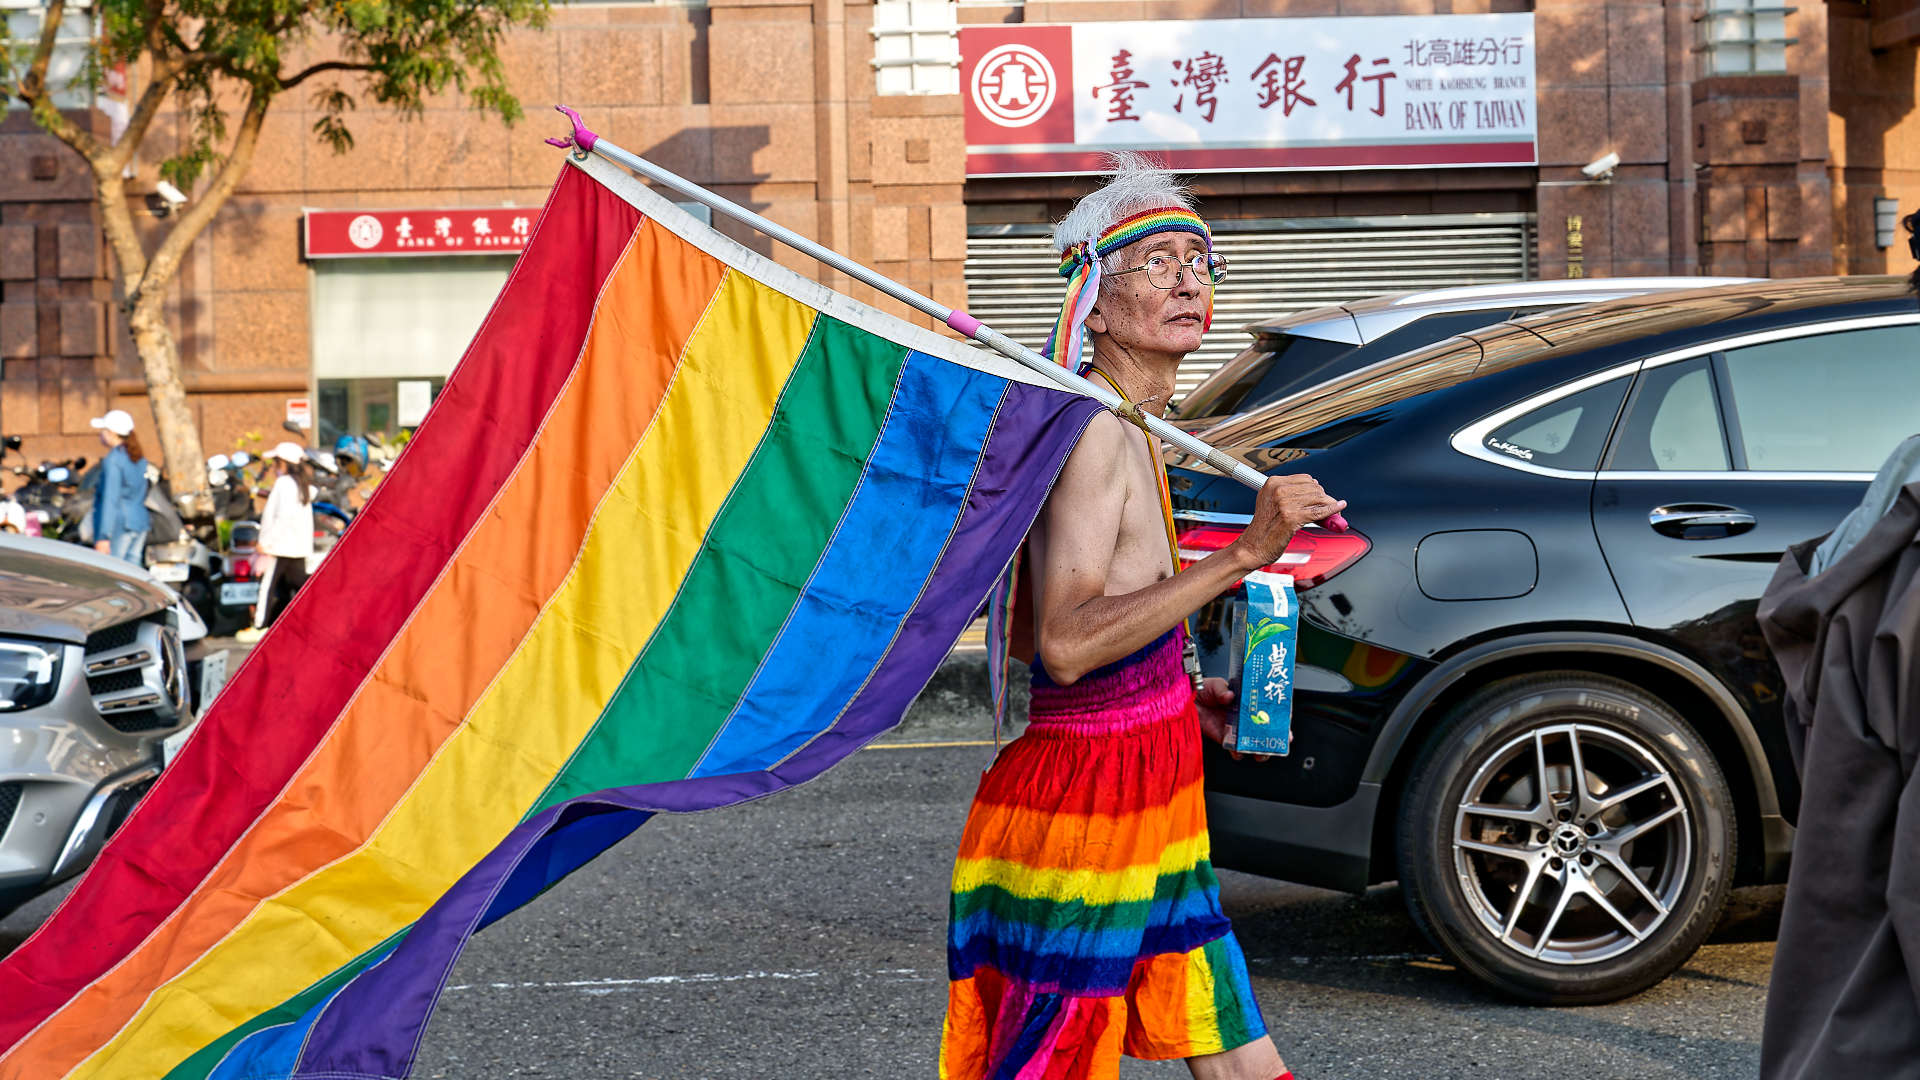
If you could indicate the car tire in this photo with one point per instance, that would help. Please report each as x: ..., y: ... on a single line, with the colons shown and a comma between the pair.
x: 199, y: 595
x: 1472, y: 835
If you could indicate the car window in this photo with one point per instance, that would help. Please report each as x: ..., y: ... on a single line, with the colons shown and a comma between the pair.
x: 1828, y: 403
x: 1566, y: 434
x: 1290, y: 358
x: 1291, y: 373
x: 1673, y: 424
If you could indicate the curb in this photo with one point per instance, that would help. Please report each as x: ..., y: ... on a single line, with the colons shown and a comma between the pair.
x: 957, y: 699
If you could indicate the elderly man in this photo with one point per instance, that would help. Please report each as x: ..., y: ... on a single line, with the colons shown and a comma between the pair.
x: 1086, y: 919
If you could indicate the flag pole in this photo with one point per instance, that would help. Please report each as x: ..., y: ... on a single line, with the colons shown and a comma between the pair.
x: 584, y: 141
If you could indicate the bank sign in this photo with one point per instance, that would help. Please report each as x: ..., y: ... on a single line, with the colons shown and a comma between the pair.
x: 1227, y: 95
x: 452, y: 230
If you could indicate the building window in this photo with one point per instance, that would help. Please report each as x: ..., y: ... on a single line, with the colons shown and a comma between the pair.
x: 66, y: 69
x: 916, y: 47
x: 1743, y: 37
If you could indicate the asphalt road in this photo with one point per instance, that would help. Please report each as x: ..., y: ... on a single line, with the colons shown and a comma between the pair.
x: 802, y: 937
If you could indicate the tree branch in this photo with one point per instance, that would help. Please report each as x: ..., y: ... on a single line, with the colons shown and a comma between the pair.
x: 33, y: 90
x: 34, y: 86
x: 116, y: 221
x: 151, y: 100
x: 324, y: 66
x: 199, y: 214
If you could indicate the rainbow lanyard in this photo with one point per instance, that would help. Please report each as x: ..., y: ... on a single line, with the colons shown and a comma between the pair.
x: 1159, y: 473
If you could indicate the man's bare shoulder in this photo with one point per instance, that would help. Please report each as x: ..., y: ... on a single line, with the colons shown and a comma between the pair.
x: 1096, y: 467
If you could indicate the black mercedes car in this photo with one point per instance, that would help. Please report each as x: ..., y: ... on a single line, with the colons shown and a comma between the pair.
x: 1530, y: 685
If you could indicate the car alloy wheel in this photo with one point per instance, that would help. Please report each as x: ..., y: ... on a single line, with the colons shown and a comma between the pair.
x: 1566, y: 837
x: 1572, y: 845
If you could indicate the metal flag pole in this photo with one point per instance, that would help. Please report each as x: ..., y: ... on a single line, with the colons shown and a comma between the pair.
x: 588, y: 142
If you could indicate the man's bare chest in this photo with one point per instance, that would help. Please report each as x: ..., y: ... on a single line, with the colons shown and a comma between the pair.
x: 1141, y: 554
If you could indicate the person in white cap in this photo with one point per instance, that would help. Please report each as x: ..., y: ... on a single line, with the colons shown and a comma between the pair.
x: 120, y: 518
x: 286, y: 537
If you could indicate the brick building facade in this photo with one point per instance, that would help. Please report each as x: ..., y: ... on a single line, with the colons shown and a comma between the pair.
x: 773, y: 103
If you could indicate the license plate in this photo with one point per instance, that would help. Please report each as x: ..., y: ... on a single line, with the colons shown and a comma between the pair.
x: 170, y: 571
x: 213, y: 676
x: 170, y: 746
x: 239, y: 592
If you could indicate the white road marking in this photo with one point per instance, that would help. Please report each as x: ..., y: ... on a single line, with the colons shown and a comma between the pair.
x: 613, y: 986
x: 608, y: 986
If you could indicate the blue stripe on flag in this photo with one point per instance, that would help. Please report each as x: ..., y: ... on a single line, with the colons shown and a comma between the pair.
x: 888, y: 541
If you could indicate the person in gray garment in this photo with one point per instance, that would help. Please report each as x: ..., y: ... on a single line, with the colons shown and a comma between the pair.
x: 1842, y: 616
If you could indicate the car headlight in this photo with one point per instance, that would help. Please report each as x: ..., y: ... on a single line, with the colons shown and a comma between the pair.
x: 29, y: 674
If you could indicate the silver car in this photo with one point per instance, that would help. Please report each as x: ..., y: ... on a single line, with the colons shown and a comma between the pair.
x: 1309, y: 347
x: 95, y: 680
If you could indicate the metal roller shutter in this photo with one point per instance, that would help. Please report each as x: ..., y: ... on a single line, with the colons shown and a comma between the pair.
x: 1277, y: 267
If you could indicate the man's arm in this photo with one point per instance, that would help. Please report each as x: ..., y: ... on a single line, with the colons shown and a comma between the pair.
x: 1081, y: 628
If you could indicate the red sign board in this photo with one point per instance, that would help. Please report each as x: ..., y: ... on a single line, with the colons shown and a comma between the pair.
x: 1017, y: 84
x: 1256, y: 94
x: 461, y: 230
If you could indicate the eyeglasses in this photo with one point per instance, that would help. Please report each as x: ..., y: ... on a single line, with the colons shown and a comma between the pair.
x: 1163, y: 271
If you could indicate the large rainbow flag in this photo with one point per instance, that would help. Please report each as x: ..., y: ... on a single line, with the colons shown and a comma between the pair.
x: 683, y: 529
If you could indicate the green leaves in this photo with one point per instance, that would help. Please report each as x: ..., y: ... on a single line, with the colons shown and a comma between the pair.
x: 209, y: 55
x: 1265, y: 629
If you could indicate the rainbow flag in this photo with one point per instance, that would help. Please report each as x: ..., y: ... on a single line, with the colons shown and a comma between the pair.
x: 683, y: 529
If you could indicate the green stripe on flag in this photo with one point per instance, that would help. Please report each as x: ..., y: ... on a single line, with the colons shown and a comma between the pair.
x: 758, y: 555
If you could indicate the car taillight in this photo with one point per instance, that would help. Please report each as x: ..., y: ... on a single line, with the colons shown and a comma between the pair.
x: 1312, y: 556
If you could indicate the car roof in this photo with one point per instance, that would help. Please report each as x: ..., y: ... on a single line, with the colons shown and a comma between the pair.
x: 1504, y: 346
x: 1359, y: 321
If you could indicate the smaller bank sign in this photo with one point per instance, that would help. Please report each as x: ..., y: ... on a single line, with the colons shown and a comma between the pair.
x: 454, y: 230
x: 1227, y: 95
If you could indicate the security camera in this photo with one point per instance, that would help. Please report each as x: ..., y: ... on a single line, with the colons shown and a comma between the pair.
x: 175, y: 197
x: 1602, y: 168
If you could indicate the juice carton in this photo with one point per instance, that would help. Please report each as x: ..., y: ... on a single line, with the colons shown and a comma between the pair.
x: 1266, y: 677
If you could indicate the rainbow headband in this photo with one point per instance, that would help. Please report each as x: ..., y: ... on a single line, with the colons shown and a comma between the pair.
x: 1081, y: 267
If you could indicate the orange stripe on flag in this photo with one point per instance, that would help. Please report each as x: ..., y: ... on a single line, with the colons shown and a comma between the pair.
x: 649, y: 308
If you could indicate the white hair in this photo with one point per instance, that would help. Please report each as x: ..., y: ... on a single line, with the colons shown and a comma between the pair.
x: 1136, y: 184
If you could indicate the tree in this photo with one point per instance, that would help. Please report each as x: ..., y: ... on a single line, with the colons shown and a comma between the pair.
x: 224, y: 63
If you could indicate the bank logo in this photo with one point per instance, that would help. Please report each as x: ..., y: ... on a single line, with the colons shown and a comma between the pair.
x: 1014, y: 85
x: 364, y: 231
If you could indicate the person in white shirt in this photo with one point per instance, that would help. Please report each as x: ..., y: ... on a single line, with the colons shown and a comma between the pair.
x: 286, y: 537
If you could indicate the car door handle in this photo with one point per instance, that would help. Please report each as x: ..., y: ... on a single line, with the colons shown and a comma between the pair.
x: 1699, y: 521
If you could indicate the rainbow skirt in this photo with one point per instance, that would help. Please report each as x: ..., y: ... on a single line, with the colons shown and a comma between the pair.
x: 1086, y: 918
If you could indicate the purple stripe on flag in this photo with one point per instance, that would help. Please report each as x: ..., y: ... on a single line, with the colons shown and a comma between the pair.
x: 373, y: 1026
x: 1018, y: 457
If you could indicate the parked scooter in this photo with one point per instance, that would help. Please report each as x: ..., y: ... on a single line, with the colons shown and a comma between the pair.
x: 13, y: 516
x: 241, y: 589
x: 55, y: 506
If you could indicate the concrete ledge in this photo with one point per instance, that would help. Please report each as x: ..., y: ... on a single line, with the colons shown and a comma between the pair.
x: 956, y: 704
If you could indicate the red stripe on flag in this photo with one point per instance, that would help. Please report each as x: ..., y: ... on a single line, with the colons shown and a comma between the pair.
x: 282, y: 701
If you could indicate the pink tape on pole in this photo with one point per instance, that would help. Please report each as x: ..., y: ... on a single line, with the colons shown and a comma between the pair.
x: 964, y: 323
x: 583, y: 137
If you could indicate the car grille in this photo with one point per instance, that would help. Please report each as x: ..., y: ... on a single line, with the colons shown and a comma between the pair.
x: 113, y: 681
x: 113, y: 637
x: 136, y: 675
x: 133, y: 723
x: 9, y: 802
